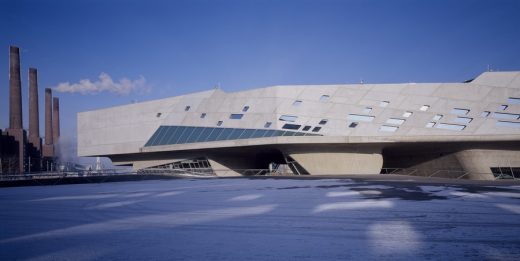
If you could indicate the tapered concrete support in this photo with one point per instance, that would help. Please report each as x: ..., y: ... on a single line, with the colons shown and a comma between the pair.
x: 229, y: 166
x: 55, y: 119
x: 15, y: 89
x: 478, y: 163
x: 48, y: 147
x: 34, y: 122
x: 339, y: 163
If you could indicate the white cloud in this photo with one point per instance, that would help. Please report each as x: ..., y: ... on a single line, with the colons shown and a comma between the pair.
x: 104, y: 84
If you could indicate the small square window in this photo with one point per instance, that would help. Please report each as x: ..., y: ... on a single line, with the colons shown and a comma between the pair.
x: 267, y: 124
x: 367, y: 110
x: 485, y: 113
x: 246, y: 108
x: 316, y: 129
x: 203, y: 115
x: 407, y: 114
x: 158, y: 115
x: 187, y: 108
x: 384, y: 103
x: 297, y: 103
x: 437, y: 117
x: 430, y: 124
x: 424, y: 108
x: 502, y: 107
x: 324, y: 98
x: 323, y: 122
x: 219, y: 123
x: 306, y: 128
x: 353, y: 124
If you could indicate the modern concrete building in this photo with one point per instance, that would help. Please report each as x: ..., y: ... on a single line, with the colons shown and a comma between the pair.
x: 469, y: 130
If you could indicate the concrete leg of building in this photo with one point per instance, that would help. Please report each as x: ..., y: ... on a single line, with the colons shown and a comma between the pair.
x: 229, y: 166
x: 478, y: 162
x: 338, y: 163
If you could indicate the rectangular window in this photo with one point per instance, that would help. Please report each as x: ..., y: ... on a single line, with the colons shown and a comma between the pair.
x: 485, y: 113
x: 297, y: 103
x: 246, y: 108
x: 203, y: 115
x: 316, y: 129
x: 353, y: 124
x: 384, y: 103
x: 424, y: 108
x: 455, y: 127
x: 464, y: 120
x: 502, y: 107
x: 357, y: 117
x: 437, y: 117
x: 407, y: 114
x: 289, y: 118
x: 236, y: 116
x: 459, y: 111
x: 324, y: 98
x: 267, y: 124
x: 367, y: 110
x: 430, y: 124
x: 289, y: 126
x: 187, y: 108
x: 323, y: 122
x: 395, y: 121
x: 508, y: 124
x: 219, y: 123
x: 306, y: 128
x: 506, y: 116
x: 388, y: 128
x: 513, y: 100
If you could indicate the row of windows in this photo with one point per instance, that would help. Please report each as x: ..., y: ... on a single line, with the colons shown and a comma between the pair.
x: 167, y: 135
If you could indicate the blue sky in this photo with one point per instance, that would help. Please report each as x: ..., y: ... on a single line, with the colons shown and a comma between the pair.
x: 188, y: 46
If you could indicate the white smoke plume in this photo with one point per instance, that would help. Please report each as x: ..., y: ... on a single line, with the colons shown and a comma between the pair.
x: 104, y: 84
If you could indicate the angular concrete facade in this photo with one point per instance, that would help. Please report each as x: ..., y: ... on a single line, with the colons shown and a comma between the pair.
x: 464, y: 130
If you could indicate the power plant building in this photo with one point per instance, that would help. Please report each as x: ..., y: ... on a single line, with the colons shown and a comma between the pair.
x: 21, y: 152
x: 465, y: 130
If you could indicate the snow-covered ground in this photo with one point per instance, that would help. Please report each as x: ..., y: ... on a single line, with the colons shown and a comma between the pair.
x: 260, y: 219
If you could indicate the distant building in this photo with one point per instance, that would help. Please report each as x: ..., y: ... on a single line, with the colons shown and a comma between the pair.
x: 469, y: 130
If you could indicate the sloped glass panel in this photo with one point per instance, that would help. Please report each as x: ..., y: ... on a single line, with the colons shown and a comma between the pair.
x: 459, y: 111
x: 513, y: 100
x: 289, y: 133
x: 235, y: 134
x: 215, y: 134
x: 259, y: 133
x: 185, y: 135
x: 306, y: 128
x: 173, y: 137
x: 290, y: 118
x: 446, y: 126
x: 407, y: 114
x: 316, y: 129
x: 248, y: 133
x: 508, y: 124
x: 195, y: 135
x: 357, y: 117
x: 464, y: 120
x: 387, y: 128
x: 225, y: 134
x: 395, y: 121
x: 205, y: 134
x: 506, y: 116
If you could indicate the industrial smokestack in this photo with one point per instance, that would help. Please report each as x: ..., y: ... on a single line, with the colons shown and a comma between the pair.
x: 48, y: 117
x: 34, y: 122
x: 56, y: 118
x: 15, y: 89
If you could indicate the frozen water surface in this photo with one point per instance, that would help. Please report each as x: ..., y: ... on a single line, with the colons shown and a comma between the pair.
x: 259, y: 219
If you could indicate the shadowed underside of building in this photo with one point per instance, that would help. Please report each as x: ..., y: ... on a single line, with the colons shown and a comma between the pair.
x: 469, y: 130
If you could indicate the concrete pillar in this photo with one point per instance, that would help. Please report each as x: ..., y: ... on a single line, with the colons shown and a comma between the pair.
x: 15, y: 89
x: 55, y: 119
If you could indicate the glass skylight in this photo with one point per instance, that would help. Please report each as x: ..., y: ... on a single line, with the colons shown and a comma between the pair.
x: 290, y: 118
x: 459, y: 111
x: 357, y: 117
x: 424, y: 108
x: 446, y: 126
x: 388, y: 128
x: 395, y: 121
x: 407, y: 114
